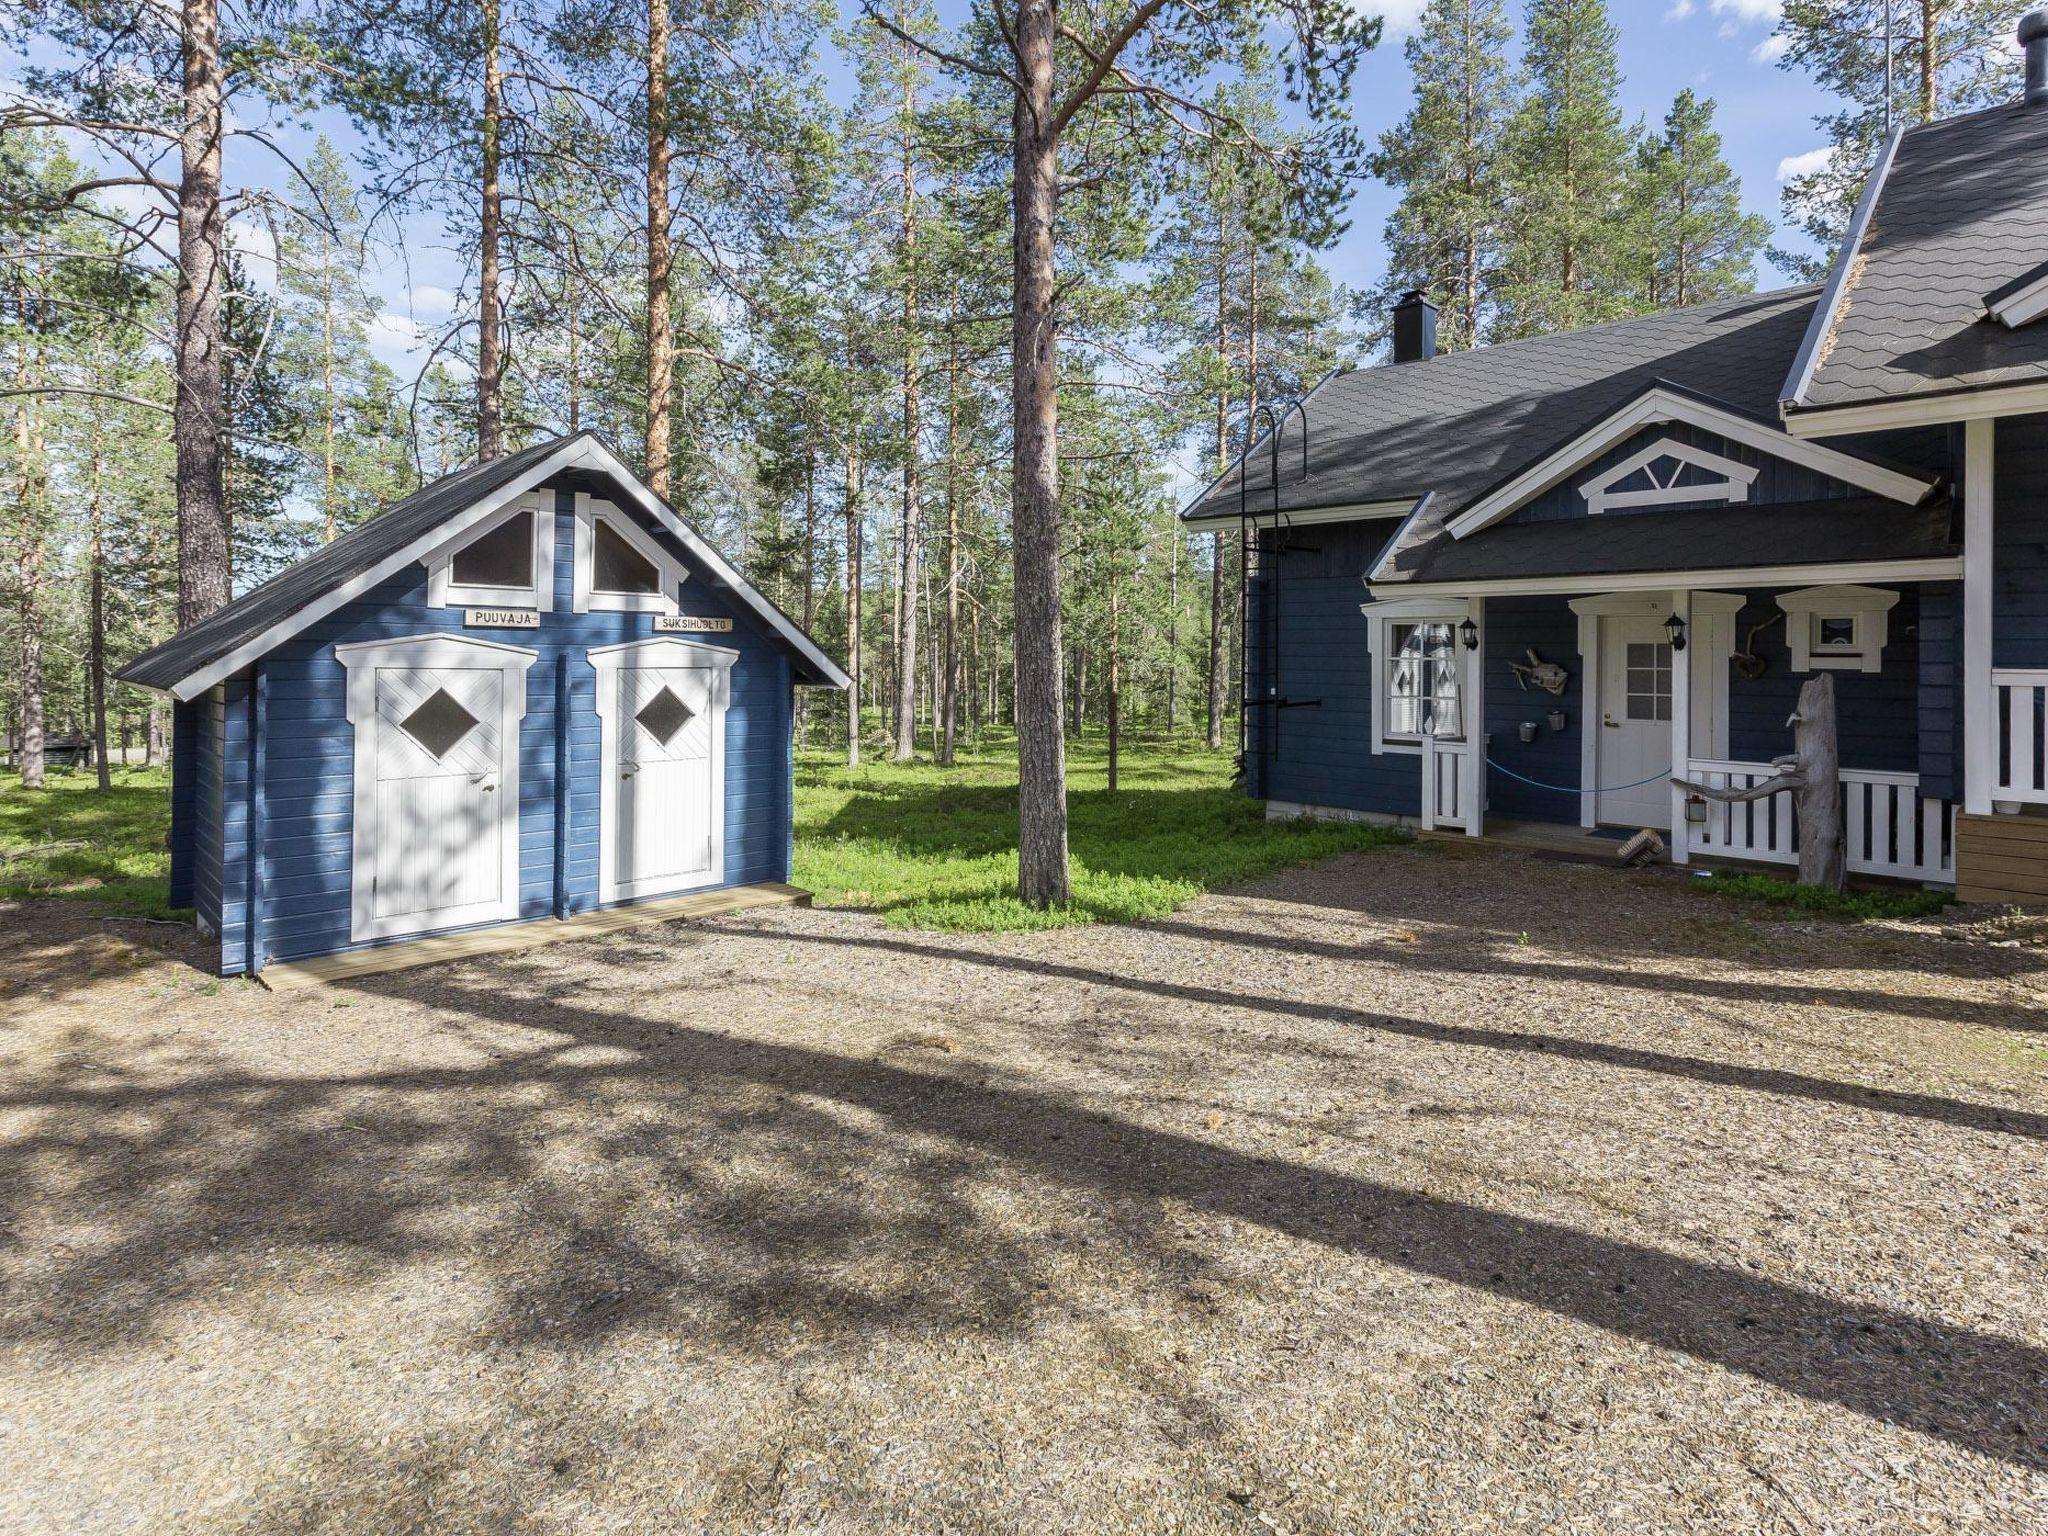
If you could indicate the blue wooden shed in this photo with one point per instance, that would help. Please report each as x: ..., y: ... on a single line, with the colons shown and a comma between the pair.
x: 527, y: 691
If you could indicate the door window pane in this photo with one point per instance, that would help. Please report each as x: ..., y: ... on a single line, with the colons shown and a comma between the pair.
x: 439, y: 723
x: 617, y: 566
x: 501, y: 558
x: 1647, y: 682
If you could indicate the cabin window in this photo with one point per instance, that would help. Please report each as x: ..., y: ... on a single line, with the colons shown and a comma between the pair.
x: 501, y: 558
x: 622, y: 567
x: 617, y: 567
x: 1837, y: 629
x: 507, y: 563
x: 1422, y: 682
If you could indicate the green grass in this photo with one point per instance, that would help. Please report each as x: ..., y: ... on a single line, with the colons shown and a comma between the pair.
x: 123, y: 865
x: 937, y: 848
x: 928, y: 847
x: 1852, y: 906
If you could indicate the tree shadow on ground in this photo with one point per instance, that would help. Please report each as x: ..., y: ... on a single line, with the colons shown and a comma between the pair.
x: 701, y: 1205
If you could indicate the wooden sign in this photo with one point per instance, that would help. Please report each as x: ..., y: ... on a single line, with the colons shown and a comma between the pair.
x: 690, y: 624
x: 500, y: 618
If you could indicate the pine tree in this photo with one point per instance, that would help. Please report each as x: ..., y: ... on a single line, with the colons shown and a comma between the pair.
x: 1892, y: 62
x: 1566, y: 255
x: 1695, y: 242
x: 1447, y: 158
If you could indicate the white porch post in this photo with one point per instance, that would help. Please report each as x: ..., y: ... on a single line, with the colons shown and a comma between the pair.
x: 1980, y: 721
x: 1474, y: 766
x: 1681, y: 726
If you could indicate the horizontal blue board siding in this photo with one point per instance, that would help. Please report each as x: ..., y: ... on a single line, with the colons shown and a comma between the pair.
x: 2019, y: 573
x: 1877, y: 715
x: 309, y: 767
x: 1941, y: 690
x: 1514, y: 627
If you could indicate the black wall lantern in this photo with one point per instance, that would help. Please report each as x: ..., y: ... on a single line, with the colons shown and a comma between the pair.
x: 1469, y: 633
x: 1674, y: 626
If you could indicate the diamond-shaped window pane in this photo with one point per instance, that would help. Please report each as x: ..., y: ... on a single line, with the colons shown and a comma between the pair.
x: 664, y: 715
x: 439, y: 723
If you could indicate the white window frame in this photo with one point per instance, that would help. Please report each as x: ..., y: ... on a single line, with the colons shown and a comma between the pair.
x: 1733, y: 486
x: 444, y: 591
x: 590, y: 511
x: 1381, y: 617
x: 1867, y: 608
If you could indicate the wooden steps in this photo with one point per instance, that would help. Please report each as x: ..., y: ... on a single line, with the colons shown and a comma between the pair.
x: 507, y: 938
x: 2002, y: 858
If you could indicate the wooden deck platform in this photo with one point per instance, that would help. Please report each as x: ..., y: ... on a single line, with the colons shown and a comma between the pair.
x: 507, y: 938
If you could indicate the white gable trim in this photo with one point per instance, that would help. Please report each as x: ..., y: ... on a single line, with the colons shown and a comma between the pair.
x: 1922, y: 410
x: 2023, y: 306
x: 1822, y: 322
x: 1736, y: 479
x: 668, y: 570
x: 1656, y: 406
x: 577, y: 453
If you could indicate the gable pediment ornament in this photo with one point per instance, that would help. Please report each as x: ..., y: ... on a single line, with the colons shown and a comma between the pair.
x: 1668, y: 473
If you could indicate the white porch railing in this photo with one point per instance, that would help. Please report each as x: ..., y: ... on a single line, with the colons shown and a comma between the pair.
x: 1892, y: 828
x: 2021, y: 723
x: 1447, y: 784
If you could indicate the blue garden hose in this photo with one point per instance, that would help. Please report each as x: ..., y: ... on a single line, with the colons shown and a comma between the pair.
x: 1567, y: 789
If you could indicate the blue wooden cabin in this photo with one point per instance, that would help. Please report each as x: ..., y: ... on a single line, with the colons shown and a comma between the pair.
x: 527, y: 691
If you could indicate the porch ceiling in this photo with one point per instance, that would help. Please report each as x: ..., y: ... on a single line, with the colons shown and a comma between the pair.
x: 1854, y: 529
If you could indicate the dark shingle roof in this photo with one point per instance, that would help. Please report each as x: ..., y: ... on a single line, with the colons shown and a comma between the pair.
x: 332, y: 565
x: 1962, y: 213
x: 1617, y: 543
x: 1459, y: 423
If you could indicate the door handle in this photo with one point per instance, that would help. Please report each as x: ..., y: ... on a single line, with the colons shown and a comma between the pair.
x: 1610, y: 722
x: 487, y: 782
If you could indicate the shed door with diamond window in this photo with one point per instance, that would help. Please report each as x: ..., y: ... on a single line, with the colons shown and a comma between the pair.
x: 439, y: 797
x: 664, y: 819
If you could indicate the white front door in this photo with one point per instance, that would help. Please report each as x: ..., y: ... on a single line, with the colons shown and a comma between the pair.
x: 662, y: 810
x: 1633, y: 733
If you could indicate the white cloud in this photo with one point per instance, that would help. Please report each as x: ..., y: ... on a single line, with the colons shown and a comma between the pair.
x: 428, y: 299
x: 1771, y: 49
x: 250, y: 239
x: 1400, y: 16
x: 1805, y: 165
x: 1749, y: 10
x: 1680, y: 9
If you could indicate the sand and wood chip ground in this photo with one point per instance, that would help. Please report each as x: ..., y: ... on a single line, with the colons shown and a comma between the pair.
x: 1410, y: 1192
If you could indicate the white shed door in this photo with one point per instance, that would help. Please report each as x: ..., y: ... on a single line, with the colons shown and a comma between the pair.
x: 665, y: 827
x: 440, y: 849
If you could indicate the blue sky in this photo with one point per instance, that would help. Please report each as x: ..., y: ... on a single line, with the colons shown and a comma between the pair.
x: 1721, y: 48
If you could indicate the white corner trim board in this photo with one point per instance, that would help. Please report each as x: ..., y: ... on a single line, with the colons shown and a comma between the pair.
x: 369, y: 843
x: 1658, y: 405
x: 1811, y: 611
x: 591, y: 511
x: 444, y: 591
x: 1736, y: 479
x: 577, y: 453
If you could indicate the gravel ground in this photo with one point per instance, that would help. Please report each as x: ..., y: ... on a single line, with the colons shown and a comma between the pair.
x: 1381, y: 1196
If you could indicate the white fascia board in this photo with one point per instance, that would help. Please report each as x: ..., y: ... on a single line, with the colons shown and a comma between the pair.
x: 1829, y: 305
x: 596, y: 456
x: 1919, y: 411
x: 1655, y: 406
x: 2022, y: 306
x: 1357, y: 511
x: 192, y: 685
x: 1947, y: 568
x: 1379, y: 571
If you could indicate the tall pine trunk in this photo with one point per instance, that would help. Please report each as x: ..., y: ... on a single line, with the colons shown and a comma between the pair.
x: 1219, y: 545
x: 96, y: 640
x: 853, y: 584
x: 199, y: 409
x: 490, y: 358
x: 1042, y: 875
x: 1115, y: 699
x: 909, y: 548
x: 949, y: 705
x: 28, y: 550
x: 661, y: 342
x: 326, y: 387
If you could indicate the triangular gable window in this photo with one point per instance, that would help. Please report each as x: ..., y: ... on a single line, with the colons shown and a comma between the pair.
x: 1668, y: 473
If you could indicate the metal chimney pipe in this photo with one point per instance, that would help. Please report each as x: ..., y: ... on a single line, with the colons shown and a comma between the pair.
x: 2034, y: 42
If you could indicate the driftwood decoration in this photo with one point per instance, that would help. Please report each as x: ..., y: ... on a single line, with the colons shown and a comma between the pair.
x: 1813, y: 772
x: 1547, y: 675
